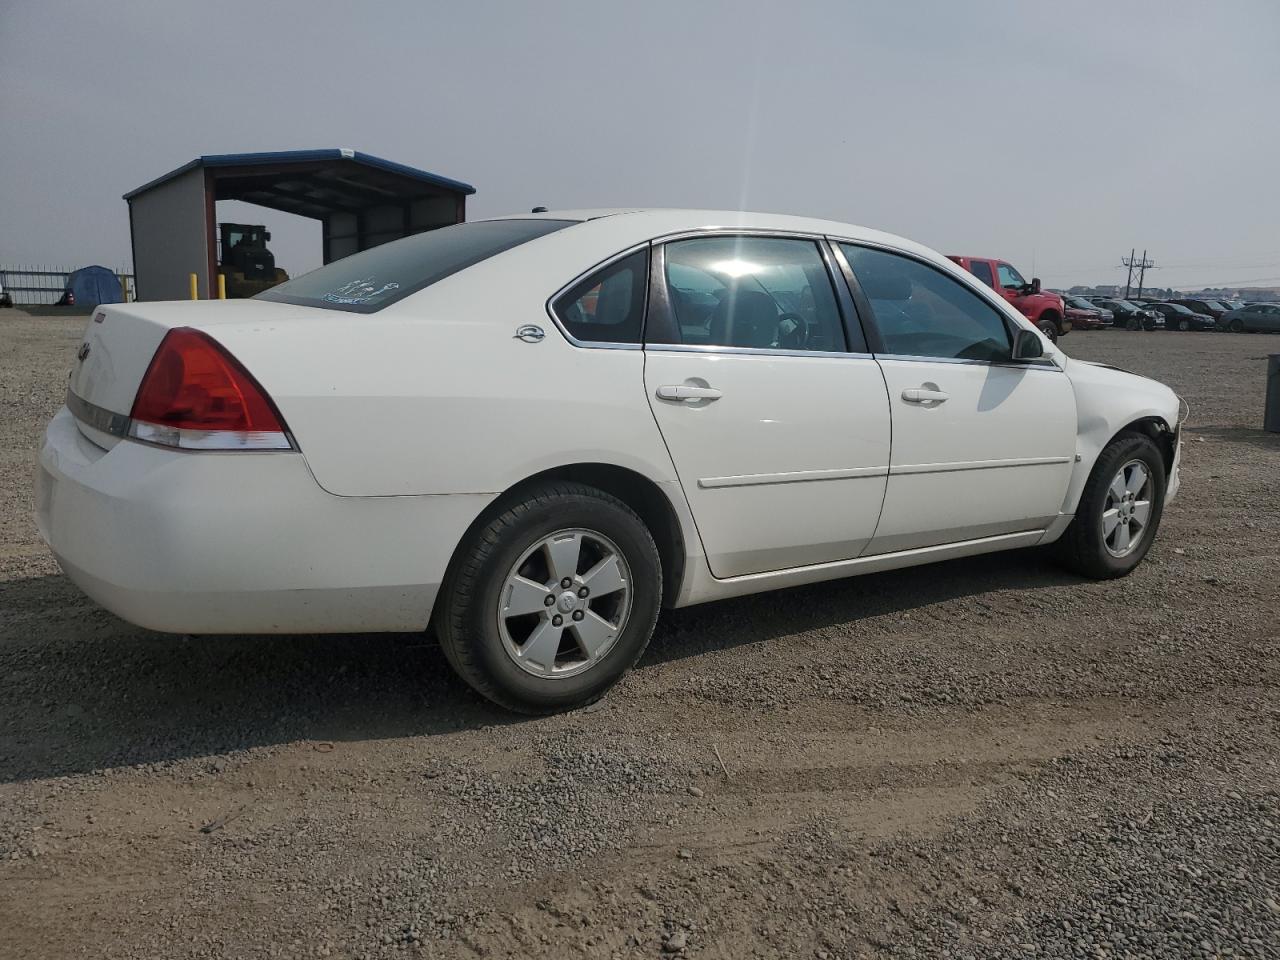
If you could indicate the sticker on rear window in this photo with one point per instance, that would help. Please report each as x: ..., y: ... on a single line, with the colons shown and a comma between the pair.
x: 360, y: 291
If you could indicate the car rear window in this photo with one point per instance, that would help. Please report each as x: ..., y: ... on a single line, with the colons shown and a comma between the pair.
x: 372, y: 279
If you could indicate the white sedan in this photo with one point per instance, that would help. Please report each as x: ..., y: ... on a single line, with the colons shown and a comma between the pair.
x: 532, y: 433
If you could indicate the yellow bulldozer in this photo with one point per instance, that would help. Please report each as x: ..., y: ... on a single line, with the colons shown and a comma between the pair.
x: 245, y: 260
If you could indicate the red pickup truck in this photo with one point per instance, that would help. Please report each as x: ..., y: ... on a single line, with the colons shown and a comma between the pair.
x: 1045, y: 310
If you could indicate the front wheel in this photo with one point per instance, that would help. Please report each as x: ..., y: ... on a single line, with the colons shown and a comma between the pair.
x: 1119, y: 510
x: 1184, y: 325
x: 1236, y: 326
x: 1050, y: 330
x: 547, y: 605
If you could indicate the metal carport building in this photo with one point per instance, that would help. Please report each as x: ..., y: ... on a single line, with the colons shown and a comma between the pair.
x: 360, y: 201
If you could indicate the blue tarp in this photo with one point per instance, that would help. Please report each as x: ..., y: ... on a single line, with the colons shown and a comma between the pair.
x: 94, y: 285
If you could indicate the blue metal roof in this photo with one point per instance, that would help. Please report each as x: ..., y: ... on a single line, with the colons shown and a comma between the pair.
x: 335, y: 154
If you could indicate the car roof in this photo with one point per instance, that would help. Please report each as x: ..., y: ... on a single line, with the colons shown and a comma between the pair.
x: 659, y: 221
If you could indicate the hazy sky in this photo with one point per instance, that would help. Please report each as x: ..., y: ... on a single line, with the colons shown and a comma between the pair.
x: 1054, y: 134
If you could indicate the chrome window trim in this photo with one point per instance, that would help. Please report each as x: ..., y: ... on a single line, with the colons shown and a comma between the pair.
x: 702, y: 232
x: 754, y: 351
x: 603, y: 264
x: 1040, y: 363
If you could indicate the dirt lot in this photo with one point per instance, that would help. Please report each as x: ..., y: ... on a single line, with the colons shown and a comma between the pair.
x: 986, y: 758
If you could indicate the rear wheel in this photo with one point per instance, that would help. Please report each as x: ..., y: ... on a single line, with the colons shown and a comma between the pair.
x: 1184, y: 324
x: 1119, y: 510
x: 1236, y: 325
x: 1133, y: 324
x: 551, y: 602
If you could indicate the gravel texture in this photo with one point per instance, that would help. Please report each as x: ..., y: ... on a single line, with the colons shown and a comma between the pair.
x: 985, y: 758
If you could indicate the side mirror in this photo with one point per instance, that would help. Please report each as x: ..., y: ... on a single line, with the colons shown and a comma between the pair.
x: 1035, y: 284
x: 266, y: 235
x: 1027, y: 345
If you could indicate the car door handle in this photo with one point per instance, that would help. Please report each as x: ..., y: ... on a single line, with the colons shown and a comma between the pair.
x: 924, y: 395
x: 682, y: 391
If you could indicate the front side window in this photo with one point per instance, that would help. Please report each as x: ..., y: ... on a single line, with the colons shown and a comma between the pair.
x: 922, y: 312
x: 982, y: 270
x: 1010, y: 278
x: 608, y: 306
x: 759, y: 292
x: 372, y: 279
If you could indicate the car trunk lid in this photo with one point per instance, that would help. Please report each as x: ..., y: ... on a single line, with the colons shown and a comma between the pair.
x: 120, y: 341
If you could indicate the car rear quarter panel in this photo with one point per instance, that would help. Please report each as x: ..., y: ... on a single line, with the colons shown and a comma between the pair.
x: 436, y: 395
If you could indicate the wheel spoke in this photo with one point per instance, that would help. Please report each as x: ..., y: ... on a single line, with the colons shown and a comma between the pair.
x: 1122, y: 538
x: 1137, y: 479
x: 1117, y: 487
x: 562, y: 555
x: 605, y: 577
x: 524, y: 596
x: 1109, y: 520
x: 593, y: 632
x: 1142, y: 511
x: 542, y: 645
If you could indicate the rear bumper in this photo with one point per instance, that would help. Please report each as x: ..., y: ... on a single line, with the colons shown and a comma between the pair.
x: 238, y: 542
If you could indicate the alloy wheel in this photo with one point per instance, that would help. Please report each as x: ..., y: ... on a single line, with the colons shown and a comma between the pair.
x: 564, y: 603
x: 1126, y: 511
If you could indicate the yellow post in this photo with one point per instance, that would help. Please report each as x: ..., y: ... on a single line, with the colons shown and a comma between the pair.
x: 222, y: 286
x: 124, y: 288
x: 195, y: 290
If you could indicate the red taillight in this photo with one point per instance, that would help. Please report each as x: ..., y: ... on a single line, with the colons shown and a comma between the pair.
x: 197, y: 396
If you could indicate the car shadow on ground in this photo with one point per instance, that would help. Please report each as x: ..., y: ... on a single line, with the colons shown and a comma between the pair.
x: 81, y: 690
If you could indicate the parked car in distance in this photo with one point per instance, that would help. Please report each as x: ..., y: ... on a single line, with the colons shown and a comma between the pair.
x: 1044, y: 309
x: 1084, y: 315
x: 1210, y: 308
x: 528, y: 435
x: 1178, y: 317
x: 1261, y: 317
x: 1129, y: 315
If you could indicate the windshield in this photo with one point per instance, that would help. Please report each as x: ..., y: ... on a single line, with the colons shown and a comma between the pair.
x: 375, y: 278
x: 1080, y: 303
x: 1215, y: 305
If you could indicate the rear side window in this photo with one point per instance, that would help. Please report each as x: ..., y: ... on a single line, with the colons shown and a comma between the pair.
x: 982, y: 270
x: 764, y: 293
x: 608, y: 306
x: 372, y: 279
x: 922, y: 312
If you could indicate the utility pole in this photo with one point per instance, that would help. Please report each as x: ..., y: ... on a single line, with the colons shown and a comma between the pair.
x: 1142, y: 265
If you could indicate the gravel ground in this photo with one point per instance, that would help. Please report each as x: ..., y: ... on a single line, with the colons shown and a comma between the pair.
x: 985, y: 758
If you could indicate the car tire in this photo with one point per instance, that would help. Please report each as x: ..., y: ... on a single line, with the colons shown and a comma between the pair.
x: 515, y: 547
x: 1236, y: 325
x: 1087, y: 547
x: 1049, y: 329
x: 1184, y: 325
x: 1133, y: 324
